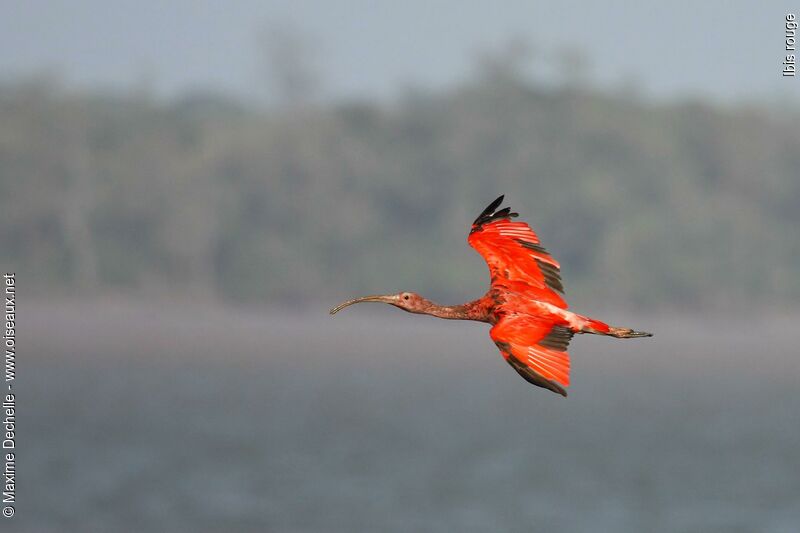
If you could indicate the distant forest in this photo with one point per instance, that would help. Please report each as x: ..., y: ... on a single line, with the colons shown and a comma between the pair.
x: 677, y: 205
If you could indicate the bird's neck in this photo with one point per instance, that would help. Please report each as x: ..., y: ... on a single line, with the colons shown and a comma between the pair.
x: 468, y: 311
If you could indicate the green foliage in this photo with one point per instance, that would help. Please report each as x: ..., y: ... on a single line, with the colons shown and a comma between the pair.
x: 653, y: 205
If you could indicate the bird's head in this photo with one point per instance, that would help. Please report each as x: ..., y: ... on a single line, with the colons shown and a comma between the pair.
x: 407, y: 301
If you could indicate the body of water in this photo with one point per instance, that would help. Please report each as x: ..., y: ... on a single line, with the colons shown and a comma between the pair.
x: 134, y: 418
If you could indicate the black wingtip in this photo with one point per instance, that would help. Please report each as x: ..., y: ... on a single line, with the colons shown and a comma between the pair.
x: 532, y: 377
x: 497, y: 201
x: 490, y: 213
x: 490, y: 208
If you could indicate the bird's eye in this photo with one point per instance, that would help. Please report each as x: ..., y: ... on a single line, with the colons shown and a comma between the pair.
x: 406, y: 297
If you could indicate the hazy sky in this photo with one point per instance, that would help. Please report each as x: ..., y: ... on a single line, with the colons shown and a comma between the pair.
x: 723, y: 49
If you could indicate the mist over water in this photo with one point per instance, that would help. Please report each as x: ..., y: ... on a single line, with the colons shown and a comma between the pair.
x: 374, y: 420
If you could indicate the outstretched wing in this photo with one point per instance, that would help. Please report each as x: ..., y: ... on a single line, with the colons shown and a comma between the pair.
x: 517, y: 260
x: 536, y: 348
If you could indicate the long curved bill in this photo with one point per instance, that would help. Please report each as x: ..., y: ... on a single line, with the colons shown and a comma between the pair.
x: 373, y: 298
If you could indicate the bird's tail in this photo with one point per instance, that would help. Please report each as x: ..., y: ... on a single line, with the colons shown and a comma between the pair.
x: 601, y: 328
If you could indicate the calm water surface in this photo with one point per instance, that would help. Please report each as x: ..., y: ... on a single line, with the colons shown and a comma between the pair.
x: 134, y: 418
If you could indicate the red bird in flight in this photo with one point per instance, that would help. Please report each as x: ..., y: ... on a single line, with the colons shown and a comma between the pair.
x: 530, y: 322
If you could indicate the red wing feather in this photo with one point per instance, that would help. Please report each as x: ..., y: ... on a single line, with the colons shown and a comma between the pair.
x: 536, y: 348
x: 514, y: 254
x: 532, y: 340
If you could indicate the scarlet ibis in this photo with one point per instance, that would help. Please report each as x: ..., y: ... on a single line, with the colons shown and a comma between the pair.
x: 530, y: 322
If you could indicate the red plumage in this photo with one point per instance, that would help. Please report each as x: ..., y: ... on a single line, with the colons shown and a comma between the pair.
x: 532, y: 326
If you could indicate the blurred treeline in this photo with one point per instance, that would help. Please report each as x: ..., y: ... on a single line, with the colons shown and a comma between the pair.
x: 654, y: 204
